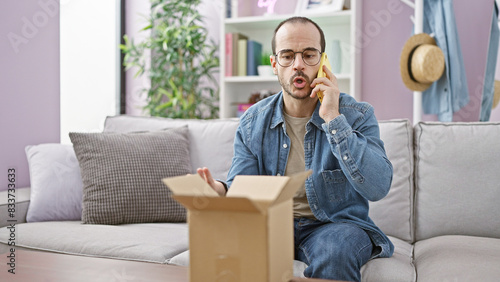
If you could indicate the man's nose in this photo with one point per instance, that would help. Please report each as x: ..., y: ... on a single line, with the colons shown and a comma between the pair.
x: 298, y: 63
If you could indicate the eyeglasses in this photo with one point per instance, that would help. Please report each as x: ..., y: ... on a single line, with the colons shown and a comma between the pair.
x: 310, y: 56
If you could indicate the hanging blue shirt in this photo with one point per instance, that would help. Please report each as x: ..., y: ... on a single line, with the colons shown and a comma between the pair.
x: 450, y: 93
x: 491, y: 63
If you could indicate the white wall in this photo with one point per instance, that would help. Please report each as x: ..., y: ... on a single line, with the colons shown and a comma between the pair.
x: 89, y: 64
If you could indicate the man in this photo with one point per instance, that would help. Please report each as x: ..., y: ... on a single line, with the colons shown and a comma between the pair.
x: 337, y: 139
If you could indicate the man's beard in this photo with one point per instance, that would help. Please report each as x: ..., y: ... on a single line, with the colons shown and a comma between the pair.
x: 287, y: 87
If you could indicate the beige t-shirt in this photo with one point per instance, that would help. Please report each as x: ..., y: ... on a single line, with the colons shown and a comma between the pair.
x: 296, y: 130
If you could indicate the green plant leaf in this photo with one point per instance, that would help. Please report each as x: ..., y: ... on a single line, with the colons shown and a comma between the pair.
x: 147, y: 27
x: 176, y: 56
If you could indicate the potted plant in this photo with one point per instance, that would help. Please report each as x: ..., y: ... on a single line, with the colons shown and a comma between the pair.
x: 265, y: 68
x: 182, y: 64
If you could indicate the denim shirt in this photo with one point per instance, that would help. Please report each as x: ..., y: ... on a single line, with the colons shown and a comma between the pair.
x: 450, y: 93
x: 347, y: 158
x: 491, y: 64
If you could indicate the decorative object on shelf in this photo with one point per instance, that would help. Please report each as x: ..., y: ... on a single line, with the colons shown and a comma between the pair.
x: 318, y: 6
x: 336, y: 57
x: 269, y: 4
x: 183, y: 61
x: 254, y: 98
x: 260, y: 95
x: 242, y: 108
x: 421, y: 62
x: 265, y: 68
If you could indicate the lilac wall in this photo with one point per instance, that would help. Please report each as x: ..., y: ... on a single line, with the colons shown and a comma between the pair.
x: 387, y: 26
x: 29, y: 82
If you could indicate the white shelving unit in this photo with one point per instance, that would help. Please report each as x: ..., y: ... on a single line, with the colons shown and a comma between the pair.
x: 342, y: 25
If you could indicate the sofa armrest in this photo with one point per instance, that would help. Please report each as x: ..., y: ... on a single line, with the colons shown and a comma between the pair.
x: 22, y: 201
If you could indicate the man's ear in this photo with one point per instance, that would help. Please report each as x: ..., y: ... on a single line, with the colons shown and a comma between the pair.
x: 273, y: 64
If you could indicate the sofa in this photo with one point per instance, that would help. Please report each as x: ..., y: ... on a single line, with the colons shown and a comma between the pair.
x: 442, y: 212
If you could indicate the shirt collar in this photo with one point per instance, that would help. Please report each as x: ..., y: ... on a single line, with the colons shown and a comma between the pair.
x: 278, y: 117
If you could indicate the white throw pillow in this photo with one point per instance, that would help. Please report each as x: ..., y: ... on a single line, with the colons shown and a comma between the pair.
x: 56, y: 183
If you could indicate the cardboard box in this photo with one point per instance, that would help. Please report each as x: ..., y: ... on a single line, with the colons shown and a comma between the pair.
x: 245, y: 236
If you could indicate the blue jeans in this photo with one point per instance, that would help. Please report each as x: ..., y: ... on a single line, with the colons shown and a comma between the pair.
x: 331, y: 250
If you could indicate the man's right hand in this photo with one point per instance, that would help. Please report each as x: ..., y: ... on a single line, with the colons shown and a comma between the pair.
x: 216, y: 185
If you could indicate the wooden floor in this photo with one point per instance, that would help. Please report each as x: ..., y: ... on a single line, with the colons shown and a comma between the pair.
x: 47, y: 266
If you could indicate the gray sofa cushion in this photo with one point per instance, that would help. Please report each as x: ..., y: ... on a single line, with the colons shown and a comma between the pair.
x: 211, y: 141
x: 122, y: 173
x: 150, y: 242
x: 22, y: 196
x: 458, y: 258
x: 457, y: 179
x: 399, y: 267
x: 393, y: 214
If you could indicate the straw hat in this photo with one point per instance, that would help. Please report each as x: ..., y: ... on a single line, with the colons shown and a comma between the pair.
x: 421, y: 62
x: 496, y: 94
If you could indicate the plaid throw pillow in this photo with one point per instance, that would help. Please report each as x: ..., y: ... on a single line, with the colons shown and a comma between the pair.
x: 122, y: 173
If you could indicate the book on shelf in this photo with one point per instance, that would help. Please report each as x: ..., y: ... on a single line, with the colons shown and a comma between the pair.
x: 229, y: 55
x: 254, y: 53
x: 234, y: 8
x: 239, y: 8
x: 242, y: 57
x: 228, y: 9
x: 232, y: 50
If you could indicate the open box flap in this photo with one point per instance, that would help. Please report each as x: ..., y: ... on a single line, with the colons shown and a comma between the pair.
x: 267, y: 190
x: 218, y: 204
x: 190, y: 185
x: 293, y: 184
x: 261, y: 188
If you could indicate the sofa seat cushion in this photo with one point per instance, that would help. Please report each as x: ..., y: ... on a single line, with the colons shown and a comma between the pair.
x: 458, y: 258
x: 22, y: 204
x: 399, y: 267
x: 149, y: 242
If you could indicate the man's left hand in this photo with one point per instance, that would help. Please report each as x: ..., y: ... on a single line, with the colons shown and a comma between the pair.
x: 330, y: 106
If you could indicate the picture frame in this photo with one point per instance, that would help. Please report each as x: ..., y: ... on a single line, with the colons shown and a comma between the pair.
x: 305, y: 7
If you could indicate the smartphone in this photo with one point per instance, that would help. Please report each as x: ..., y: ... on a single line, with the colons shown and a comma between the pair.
x: 323, y: 61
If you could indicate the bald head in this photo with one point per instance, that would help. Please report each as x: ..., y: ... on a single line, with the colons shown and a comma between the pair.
x: 298, y: 20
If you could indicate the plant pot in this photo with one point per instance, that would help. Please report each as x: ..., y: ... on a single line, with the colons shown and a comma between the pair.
x: 265, y: 70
